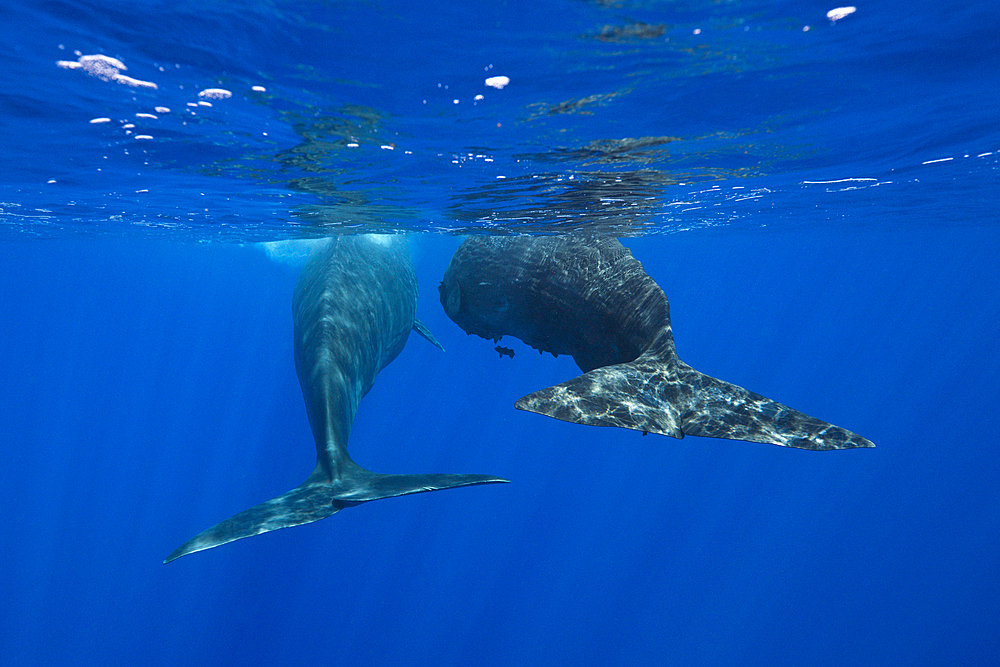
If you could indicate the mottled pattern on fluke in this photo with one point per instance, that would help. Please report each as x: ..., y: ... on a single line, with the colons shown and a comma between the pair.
x: 354, y: 305
x: 588, y: 297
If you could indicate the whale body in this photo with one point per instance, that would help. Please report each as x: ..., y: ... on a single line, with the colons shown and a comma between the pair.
x: 354, y: 306
x: 588, y: 297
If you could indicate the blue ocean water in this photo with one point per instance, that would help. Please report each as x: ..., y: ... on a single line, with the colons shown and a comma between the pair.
x: 817, y: 198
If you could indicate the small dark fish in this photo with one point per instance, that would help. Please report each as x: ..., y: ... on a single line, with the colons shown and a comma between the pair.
x: 504, y: 351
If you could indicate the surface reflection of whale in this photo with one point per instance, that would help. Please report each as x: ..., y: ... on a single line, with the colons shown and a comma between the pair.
x: 588, y: 297
x: 354, y: 306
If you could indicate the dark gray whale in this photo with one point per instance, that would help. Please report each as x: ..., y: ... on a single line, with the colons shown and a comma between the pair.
x: 588, y: 297
x: 354, y: 306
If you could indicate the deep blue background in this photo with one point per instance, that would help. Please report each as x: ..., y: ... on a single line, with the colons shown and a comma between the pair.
x: 147, y: 388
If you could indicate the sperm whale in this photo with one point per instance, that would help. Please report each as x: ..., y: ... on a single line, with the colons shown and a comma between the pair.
x: 354, y: 306
x: 588, y: 297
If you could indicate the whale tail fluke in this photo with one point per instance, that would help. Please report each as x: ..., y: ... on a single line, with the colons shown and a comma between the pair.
x: 303, y: 504
x: 671, y: 398
x: 317, y: 499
